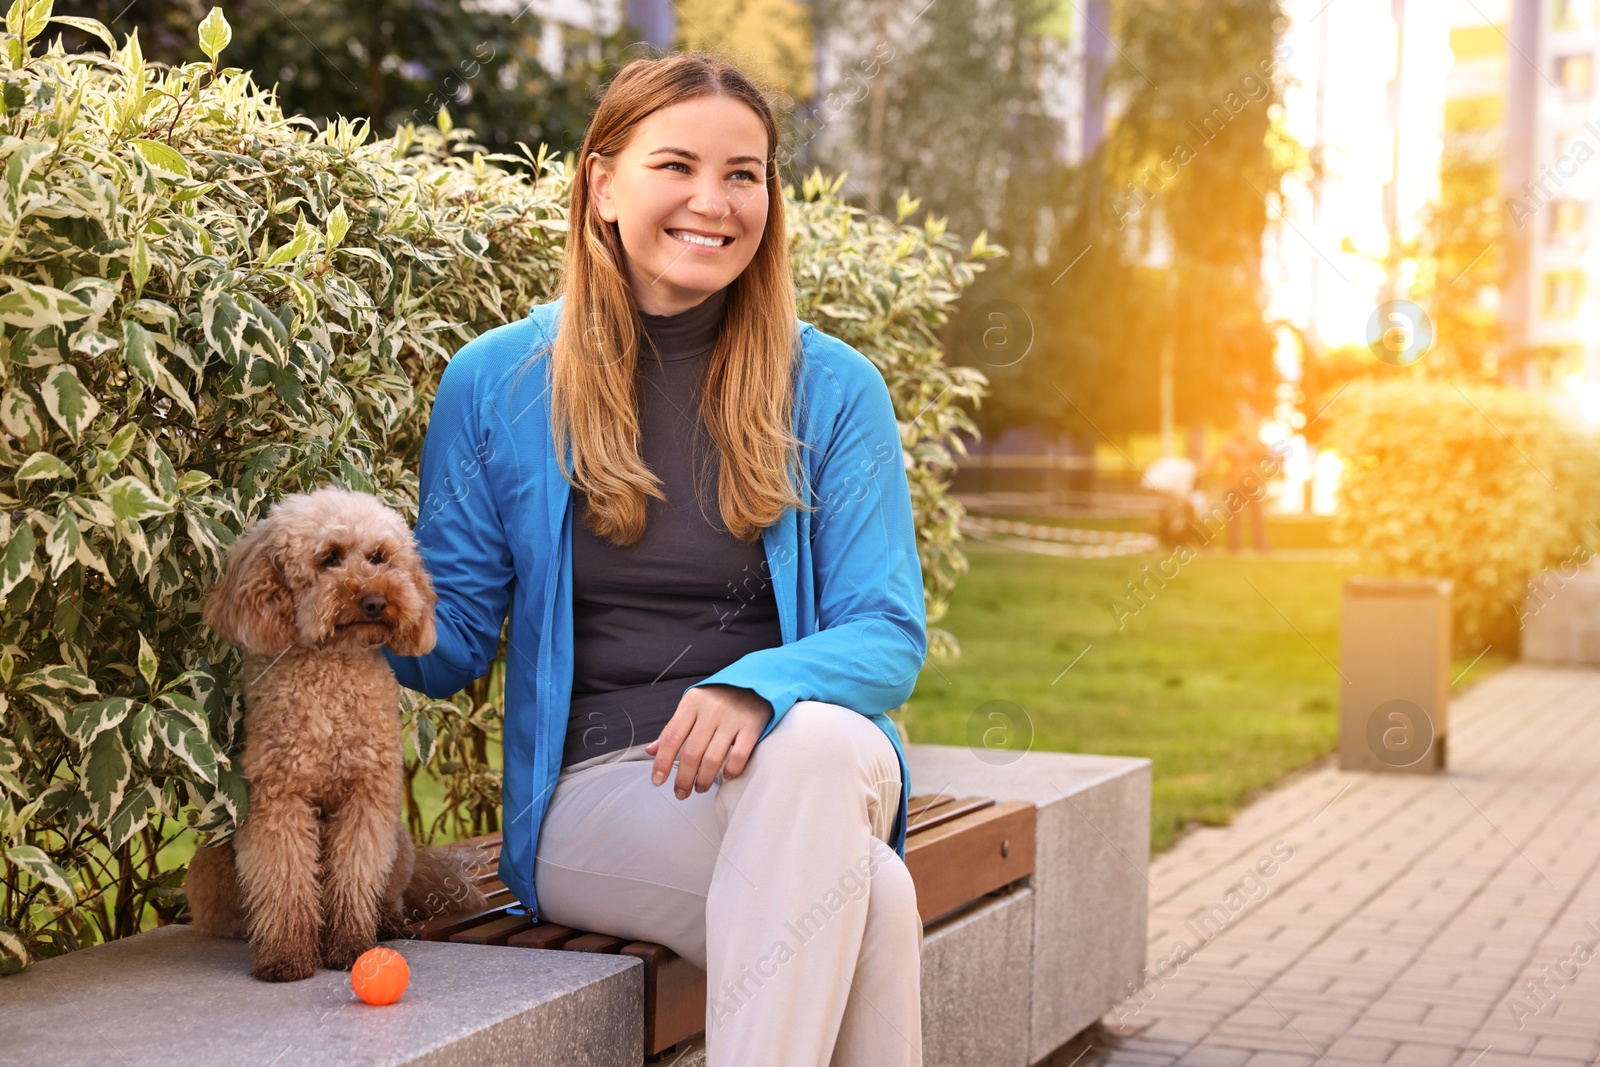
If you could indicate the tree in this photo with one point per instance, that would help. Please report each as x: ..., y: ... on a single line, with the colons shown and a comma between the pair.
x: 392, y: 61
x: 1460, y: 254
x: 1192, y: 164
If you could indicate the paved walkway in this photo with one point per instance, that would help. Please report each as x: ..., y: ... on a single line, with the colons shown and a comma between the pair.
x: 1419, y: 921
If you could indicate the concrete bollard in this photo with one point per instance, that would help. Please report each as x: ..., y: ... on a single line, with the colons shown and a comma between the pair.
x: 1394, y: 655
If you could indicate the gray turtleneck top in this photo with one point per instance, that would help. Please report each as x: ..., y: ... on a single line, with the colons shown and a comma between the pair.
x: 687, y: 598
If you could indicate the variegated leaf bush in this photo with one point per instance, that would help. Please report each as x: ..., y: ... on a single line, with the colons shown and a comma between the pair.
x: 208, y: 305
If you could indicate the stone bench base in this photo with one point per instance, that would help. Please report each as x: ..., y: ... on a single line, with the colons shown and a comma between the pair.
x: 1005, y: 981
x: 174, y: 996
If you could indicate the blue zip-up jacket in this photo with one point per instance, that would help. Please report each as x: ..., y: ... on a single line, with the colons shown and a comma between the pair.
x: 495, y: 531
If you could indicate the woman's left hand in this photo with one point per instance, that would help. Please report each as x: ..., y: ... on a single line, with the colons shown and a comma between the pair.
x: 712, y: 722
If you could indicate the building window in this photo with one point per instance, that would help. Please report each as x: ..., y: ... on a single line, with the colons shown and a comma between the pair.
x: 1563, y: 291
x: 1567, y: 218
x: 1573, y: 72
x: 1573, y: 14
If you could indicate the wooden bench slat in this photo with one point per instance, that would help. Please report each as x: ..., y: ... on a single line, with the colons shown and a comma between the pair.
x: 917, y: 807
x: 543, y: 935
x: 493, y: 932
x: 965, y: 858
x: 595, y: 943
x: 440, y: 928
x: 674, y: 996
x: 946, y: 812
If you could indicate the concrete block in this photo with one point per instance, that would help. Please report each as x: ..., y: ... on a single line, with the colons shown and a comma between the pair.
x: 976, y: 983
x: 174, y: 996
x: 1091, y: 879
x: 1561, y: 619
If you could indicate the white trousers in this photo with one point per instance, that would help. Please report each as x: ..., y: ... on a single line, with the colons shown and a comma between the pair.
x: 778, y: 883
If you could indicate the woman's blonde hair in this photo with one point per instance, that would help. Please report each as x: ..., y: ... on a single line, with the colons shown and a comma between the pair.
x: 748, y: 386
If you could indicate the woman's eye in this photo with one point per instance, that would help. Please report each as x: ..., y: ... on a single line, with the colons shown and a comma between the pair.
x: 748, y: 175
x: 331, y: 559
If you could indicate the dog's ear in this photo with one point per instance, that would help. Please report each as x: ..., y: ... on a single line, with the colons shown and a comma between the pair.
x: 251, y: 605
x: 415, y: 634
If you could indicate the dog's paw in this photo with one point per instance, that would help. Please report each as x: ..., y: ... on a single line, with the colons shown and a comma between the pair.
x: 340, y: 953
x: 284, y: 967
x: 391, y: 924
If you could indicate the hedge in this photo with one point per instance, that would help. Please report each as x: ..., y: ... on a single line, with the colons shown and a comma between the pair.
x: 211, y: 305
x: 1481, y: 485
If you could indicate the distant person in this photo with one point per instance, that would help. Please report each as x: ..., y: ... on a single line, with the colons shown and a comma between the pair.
x: 1235, y: 465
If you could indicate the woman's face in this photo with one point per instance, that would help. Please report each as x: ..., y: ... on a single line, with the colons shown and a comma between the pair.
x: 696, y: 167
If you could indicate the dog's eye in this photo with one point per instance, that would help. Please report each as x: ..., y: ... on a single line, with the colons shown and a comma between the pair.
x: 376, y: 557
x: 331, y: 559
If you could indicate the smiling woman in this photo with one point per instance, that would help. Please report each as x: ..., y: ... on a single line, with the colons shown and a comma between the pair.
x: 694, y: 223
x: 696, y: 512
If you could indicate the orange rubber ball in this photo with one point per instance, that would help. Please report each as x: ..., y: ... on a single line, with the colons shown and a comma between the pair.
x: 380, y: 975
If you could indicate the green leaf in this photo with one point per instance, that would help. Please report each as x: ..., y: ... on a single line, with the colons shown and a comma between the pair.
x: 17, y: 17
x: 38, y: 18
x: 65, y: 398
x: 215, y: 33
x: 11, y: 767
x: 19, y: 417
x: 190, y: 745
x: 224, y: 806
x: 25, y: 160
x: 116, y: 450
x: 186, y: 706
x: 89, y: 26
x: 140, y: 352
x: 163, y: 157
x: 132, y: 814
x: 11, y: 945
x: 17, y: 561
x: 141, y: 732
x: 224, y: 323
x: 106, y: 771
x: 131, y: 499
x: 42, y: 867
x: 63, y: 543
x: 139, y: 264
x: 93, y: 717
x: 148, y: 664
x: 59, y: 678
x: 35, y: 307
x: 427, y: 737
x: 42, y: 465
x: 189, y: 481
x: 338, y: 226
x: 303, y: 236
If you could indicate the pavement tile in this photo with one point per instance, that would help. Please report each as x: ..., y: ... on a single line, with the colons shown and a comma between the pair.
x: 1278, y: 1059
x: 1360, y: 1050
x: 1569, y: 1048
x: 1415, y: 1054
x: 1204, y: 1056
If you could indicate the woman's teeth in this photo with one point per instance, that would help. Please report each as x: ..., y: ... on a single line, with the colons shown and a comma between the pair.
x: 697, y: 239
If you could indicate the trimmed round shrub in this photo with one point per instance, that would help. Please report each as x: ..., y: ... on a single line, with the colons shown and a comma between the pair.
x: 1481, y: 485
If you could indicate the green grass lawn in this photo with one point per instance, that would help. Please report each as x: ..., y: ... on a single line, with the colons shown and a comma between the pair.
x: 1223, y: 686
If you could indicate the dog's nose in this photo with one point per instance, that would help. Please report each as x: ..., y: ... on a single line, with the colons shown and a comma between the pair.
x: 373, y: 604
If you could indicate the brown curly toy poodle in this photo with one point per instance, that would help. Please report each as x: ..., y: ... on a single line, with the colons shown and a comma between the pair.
x: 323, y: 866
